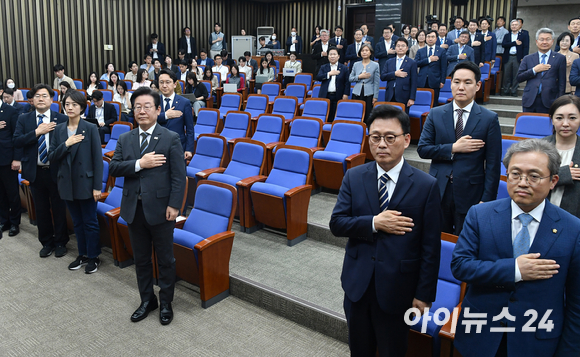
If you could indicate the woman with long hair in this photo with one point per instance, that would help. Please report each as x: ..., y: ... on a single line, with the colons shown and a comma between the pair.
x: 209, y: 76
x: 565, y: 40
x: 142, y: 79
x: 199, y: 90
x: 93, y: 83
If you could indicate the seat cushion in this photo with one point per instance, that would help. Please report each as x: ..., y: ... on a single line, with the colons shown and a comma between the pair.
x: 103, y: 208
x: 186, y: 239
x: 330, y: 156
x: 224, y: 178
x: 269, y: 189
x: 417, y: 110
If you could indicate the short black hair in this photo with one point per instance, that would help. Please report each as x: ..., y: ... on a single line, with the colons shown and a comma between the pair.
x: 185, y: 28
x: 153, y: 36
x: 242, y: 58
x: 386, y: 111
x: 262, y: 38
x: 216, y: 56
x: 430, y: 32
x: 9, y: 91
x: 98, y: 95
x: 247, y: 53
x: 572, y: 19
x: 107, y: 66
x: 181, y: 51
x: 182, y: 62
x: 469, y: 66
x: 168, y: 56
x: 156, y: 60
x: 442, y: 25
x: 520, y: 19
x: 147, y: 55
x: 332, y: 48
x: 338, y: 27
x: 501, y: 17
x: 132, y: 63
x: 217, y: 23
x: 402, y: 39
x: 292, y: 53
x: 146, y: 91
x: 29, y: 94
x: 58, y: 67
x: 203, y: 50
x: 224, y: 53
x: 76, y: 97
x: 460, y: 18
x: 474, y: 21
x: 387, y: 28
x: 170, y: 73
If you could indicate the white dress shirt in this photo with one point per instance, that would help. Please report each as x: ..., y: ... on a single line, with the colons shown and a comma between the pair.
x: 164, y: 103
x: 183, y: 76
x: 357, y: 47
x: 388, y: 44
x: 46, y: 119
x: 223, y: 71
x: 465, y: 116
x: 188, y: 39
x: 155, y: 52
x: 432, y: 48
x: 324, y: 48
x: 100, y: 114
x: 293, y: 46
x: 533, y: 226
x: 513, y: 49
x: 332, y: 83
x: 150, y: 137
x: 391, y: 183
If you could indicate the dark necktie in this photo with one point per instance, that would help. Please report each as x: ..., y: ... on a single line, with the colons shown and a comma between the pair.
x: 383, y: 192
x: 42, y: 149
x: 167, y: 107
x: 144, y: 142
x: 522, y: 241
x: 459, y: 125
x: 430, y: 51
x: 543, y: 62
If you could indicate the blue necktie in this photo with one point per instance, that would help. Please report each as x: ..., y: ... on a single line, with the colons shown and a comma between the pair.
x: 144, y: 142
x: 42, y: 150
x: 383, y: 193
x: 430, y: 51
x: 167, y: 107
x: 522, y: 241
x: 543, y: 62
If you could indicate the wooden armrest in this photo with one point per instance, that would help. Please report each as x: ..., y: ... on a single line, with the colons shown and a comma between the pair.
x: 205, y: 173
x: 249, y: 181
x: 252, y: 81
x: 272, y: 145
x: 317, y: 148
x: 296, y: 190
x: 25, y: 182
x: 180, y: 224
x: 446, y: 330
x: 215, y: 239
x: 104, y: 196
x: 110, y: 154
x: 103, y: 146
x: 355, y: 160
x: 114, y: 214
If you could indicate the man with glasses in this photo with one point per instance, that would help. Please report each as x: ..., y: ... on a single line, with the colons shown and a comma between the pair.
x: 463, y: 141
x: 150, y: 158
x: 32, y: 135
x: 390, y: 213
x: 520, y: 259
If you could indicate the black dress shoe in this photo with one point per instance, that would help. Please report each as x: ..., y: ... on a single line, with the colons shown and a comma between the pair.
x: 46, y: 251
x: 4, y: 227
x: 144, y: 309
x: 60, y: 251
x: 165, y: 314
x: 14, y: 230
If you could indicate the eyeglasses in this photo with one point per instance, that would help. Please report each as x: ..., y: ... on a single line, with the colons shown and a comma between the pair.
x: 44, y: 96
x: 532, y: 179
x: 389, y: 139
x: 146, y: 108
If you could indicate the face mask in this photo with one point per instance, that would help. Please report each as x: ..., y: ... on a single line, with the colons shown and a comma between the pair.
x: 10, y: 85
x: 273, y: 37
x: 293, y: 33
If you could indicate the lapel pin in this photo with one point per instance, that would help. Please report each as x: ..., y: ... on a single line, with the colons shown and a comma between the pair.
x: 575, y: 165
x: 155, y: 138
x: 554, y: 230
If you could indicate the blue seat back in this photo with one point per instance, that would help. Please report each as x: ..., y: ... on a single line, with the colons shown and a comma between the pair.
x: 116, y: 194
x: 530, y: 126
x: 105, y: 175
x: 285, y: 107
x: 448, y: 288
x: 383, y: 84
x: 485, y: 71
x: 496, y: 65
x: 218, y: 76
x: 236, y: 126
x: 290, y: 168
x: 208, y: 153
x: 117, y: 108
x: 229, y: 102
x: 423, y: 98
x: 345, y: 139
x: 107, y: 95
x: 422, y: 104
x: 296, y: 91
x: 211, y: 211
x: 271, y: 90
x: 78, y: 84
x: 256, y: 105
x: 445, y: 92
x: 55, y: 106
x: 502, y: 191
x: 121, y: 75
x: 208, y: 86
x: 104, y: 83
x: 304, y: 133
x: 305, y: 79
x: 315, y: 91
x: 24, y: 92
x: 315, y: 109
x: 382, y: 94
x: 505, y: 145
x: 115, y: 133
x: 246, y: 160
x: 206, y: 122
x: 352, y: 111
x: 268, y: 129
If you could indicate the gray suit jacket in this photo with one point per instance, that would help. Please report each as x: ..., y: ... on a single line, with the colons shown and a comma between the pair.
x: 370, y: 85
x: 571, y: 197
x: 160, y: 186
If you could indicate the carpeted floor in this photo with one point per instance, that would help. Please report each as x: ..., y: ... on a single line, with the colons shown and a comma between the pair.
x: 47, y: 310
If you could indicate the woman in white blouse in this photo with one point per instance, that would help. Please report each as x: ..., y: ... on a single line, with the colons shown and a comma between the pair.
x: 565, y: 116
x: 143, y: 77
x: 93, y: 84
x: 123, y: 97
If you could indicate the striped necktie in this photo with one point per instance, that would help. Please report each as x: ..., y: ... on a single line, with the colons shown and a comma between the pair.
x: 144, y: 142
x: 522, y: 241
x: 42, y: 149
x: 459, y: 125
x: 383, y: 193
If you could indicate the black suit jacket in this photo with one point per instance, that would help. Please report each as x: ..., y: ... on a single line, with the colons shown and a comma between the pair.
x: 341, y: 52
x: 342, y: 83
x: 160, y: 51
x: 110, y: 113
x: 25, y: 138
x: 521, y: 50
x: 8, y: 153
x: 19, y: 107
x: 317, y: 55
x: 571, y: 197
x: 174, y: 68
x: 183, y: 45
x: 80, y: 166
x: 160, y: 186
x: 478, y: 51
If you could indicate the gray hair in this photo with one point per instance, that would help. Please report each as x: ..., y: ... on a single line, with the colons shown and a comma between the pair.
x: 537, y: 145
x: 545, y: 30
x: 514, y: 20
x: 324, y: 31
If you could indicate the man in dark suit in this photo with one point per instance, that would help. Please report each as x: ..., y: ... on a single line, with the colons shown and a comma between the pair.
x: 432, y: 63
x: 187, y: 43
x: 155, y: 48
x: 169, y: 65
x: 9, y: 166
x: 366, y: 38
x: 385, y: 47
x: 320, y: 50
x: 401, y: 76
x: 458, y: 27
x: 352, y: 51
x: 442, y: 40
x: 104, y: 113
x: 8, y: 98
x: 463, y: 141
x: 389, y: 211
x: 294, y: 42
x: 516, y: 46
x: 251, y: 62
x: 335, y: 85
x: 150, y: 158
x: 204, y: 60
x: 176, y: 112
x: 32, y: 136
x: 477, y: 42
x: 521, y: 253
x: 459, y: 52
x: 544, y: 73
x: 340, y: 43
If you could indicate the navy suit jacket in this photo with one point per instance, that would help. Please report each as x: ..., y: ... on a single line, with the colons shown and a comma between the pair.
x: 341, y: 52
x: 160, y: 51
x: 408, y: 264
x: 483, y: 258
x: 80, y: 166
x: 110, y: 113
x: 521, y: 50
x: 447, y: 41
x: 19, y: 107
x: 405, y: 88
x: 553, y: 81
x: 575, y: 76
x: 453, y: 52
x: 159, y: 186
x: 208, y: 62
x: 475, y: 174
x: 342, y: 83
x: 298, y: 46
x: 8, y: 153
x: 478, y: 51
x: 431, y: 75
x: 25, y: 138
x: 182, y: 125
x: 490, y: 47
x: 370, y: 39
x: 183, y: 45
x: 381, y: 51
x: 351, y: 55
